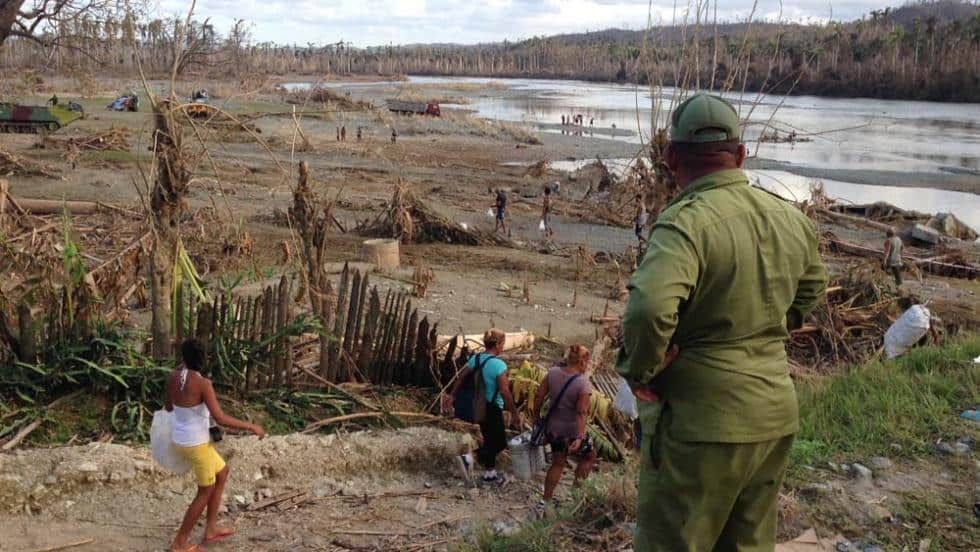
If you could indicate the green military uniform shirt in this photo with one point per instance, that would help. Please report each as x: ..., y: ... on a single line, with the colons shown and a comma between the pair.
x: 729, y: 270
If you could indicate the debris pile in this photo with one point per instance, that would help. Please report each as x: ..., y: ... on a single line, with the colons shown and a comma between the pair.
x: 849, y: 327
x: 775, y: 137
x: 15, y: 165
x: 324, y: 95
x: 948, y: 225
x: 406, y: 218
x: 538, y: 170
x: 114, y: 139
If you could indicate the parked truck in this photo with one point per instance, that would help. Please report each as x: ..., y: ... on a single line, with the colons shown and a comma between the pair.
x: 414, y: 108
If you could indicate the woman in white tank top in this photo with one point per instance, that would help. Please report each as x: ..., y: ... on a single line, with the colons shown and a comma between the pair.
x: 190, y: 396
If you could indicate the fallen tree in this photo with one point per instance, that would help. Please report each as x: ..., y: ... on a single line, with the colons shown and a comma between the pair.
x: 408, y: 219
x: 931, y: 265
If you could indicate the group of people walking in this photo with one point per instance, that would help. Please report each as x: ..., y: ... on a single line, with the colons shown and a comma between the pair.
x: 481, y: 393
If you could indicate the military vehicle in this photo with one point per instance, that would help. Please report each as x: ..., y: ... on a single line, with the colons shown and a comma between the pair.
x: 35, y: 119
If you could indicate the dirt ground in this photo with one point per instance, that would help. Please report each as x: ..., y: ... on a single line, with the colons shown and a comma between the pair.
x: 377, y: 490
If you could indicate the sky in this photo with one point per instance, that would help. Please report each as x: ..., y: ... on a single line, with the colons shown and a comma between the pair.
x: 383, y: 22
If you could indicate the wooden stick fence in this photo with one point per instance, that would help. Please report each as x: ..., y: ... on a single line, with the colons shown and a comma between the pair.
x: 374, y: 340
x: 366, y: 338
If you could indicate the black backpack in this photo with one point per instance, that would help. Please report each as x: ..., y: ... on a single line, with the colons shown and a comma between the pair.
x: 480, y: 401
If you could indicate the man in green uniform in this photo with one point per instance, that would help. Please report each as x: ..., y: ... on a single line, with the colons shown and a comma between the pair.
x: 729, y: 271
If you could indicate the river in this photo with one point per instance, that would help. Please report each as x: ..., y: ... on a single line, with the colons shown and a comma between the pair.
x: 925, y: 140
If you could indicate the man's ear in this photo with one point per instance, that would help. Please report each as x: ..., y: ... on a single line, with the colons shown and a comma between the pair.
x: 740, y: 156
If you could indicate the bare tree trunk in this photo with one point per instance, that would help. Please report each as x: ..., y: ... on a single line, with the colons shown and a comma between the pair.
x: 8, y: 14
x: 166, y: 205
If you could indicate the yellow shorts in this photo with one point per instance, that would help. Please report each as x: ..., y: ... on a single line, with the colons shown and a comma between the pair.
x: 205, y: 462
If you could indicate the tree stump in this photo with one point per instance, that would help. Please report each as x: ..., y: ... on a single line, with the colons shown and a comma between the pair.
x: 383, y: 253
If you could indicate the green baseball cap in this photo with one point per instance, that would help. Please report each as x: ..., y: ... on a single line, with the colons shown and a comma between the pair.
x: 704, y: 118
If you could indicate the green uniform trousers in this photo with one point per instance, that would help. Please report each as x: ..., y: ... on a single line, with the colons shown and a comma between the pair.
x: 699, y: 497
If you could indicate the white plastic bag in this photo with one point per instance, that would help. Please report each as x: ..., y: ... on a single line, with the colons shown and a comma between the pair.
x: 541, y: 225
x: 625, y: 400
x: 906, y: 331
x: 162, y: 446
x: 490, y: 213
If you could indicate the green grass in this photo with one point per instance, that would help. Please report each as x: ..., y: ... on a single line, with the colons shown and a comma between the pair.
x: 911, y: 401
x: 114, y: 156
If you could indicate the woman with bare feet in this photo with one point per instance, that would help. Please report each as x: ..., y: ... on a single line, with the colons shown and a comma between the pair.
x: 190, y: 396
x: 570, y: 391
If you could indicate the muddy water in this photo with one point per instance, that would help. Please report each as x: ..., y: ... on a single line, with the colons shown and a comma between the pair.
x: 846, y: 133
x: 925, y: 200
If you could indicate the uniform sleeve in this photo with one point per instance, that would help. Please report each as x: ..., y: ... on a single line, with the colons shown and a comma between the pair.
x: 659, y: 286
x: 811, y: 289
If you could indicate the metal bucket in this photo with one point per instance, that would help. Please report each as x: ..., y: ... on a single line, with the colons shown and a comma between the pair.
x: 526, y: 460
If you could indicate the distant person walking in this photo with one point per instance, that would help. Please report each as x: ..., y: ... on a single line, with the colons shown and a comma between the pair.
x: 892, y: 259
x: 570, y: 391
x: 394, y: 136
x: 191, y: 398
x: 562, y: 120
x: 546, y: 213
x: 343, y: 133
x: 496, y: 392
x: 359, y: 133
x: 500, y: 207
x: 338, y: 134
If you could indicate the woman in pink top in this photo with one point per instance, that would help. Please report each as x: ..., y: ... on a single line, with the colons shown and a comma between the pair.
x: 570, y: 391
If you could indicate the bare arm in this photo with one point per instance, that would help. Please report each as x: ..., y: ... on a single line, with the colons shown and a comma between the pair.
x: 888, y: 252
x: 211, y: 400
x: 503, y: 384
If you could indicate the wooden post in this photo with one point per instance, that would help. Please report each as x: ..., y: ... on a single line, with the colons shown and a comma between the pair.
x: 327, y: 309
x: 284, y: 367
x: 358, y: 319
x: 402, y: 357
x: 347, y: 374
x: 268, y: 327
x: 430, y: 347
x: 392, y: 344
x: 4, y: 190
x: 408, y: 353
x: 381, y: 336
x: 28, y: 340
x: 366, y: 357
x: 338, y: 327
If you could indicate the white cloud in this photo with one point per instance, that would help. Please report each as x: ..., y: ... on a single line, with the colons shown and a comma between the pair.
x: 378, y: 22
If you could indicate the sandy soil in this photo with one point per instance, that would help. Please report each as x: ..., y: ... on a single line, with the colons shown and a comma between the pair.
x: 377, y: 490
